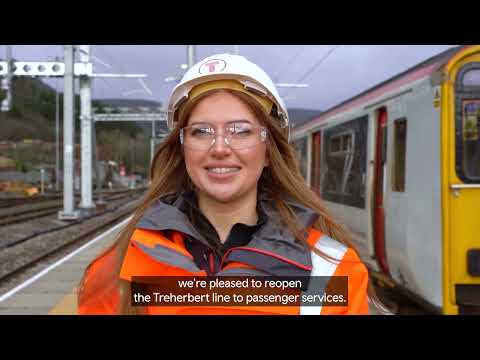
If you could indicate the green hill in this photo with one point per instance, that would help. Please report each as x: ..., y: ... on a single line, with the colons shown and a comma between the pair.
x: 32, y: 116
x: 33, y: 113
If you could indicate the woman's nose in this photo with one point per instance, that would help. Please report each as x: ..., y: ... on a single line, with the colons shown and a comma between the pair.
x: 220, y: 145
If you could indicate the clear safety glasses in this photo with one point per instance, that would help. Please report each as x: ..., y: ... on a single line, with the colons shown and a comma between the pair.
x: 236, y: 135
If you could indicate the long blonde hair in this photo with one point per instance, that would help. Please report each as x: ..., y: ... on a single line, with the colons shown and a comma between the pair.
x: 168, y: 174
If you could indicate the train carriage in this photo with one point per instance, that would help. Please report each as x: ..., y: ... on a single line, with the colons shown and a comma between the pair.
x: 399, y: 165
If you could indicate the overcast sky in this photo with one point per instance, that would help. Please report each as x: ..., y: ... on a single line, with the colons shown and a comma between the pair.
x: 345, y: 72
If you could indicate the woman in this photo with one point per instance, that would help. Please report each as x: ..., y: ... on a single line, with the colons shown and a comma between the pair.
x: 226, y: 198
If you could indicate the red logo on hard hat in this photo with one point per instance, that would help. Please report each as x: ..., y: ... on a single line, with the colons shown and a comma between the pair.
x: 212, y: 66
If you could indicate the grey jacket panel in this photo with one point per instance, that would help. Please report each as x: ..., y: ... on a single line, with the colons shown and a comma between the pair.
x: 169, y: 256
x: 272, y: 238
x: 163, y: 216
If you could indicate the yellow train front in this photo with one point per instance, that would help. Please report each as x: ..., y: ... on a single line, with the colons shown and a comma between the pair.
x: 399, y: 165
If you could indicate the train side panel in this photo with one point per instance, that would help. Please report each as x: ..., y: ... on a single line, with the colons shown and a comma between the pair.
x: 413, y: 217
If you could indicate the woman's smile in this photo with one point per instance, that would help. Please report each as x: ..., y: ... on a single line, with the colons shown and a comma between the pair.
x: 222, y: 172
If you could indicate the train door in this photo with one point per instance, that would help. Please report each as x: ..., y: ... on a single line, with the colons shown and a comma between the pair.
x: 463, y: 245
x: 316, y: 161
x: 379, y: 190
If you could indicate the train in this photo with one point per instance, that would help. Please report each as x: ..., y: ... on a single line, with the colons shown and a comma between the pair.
x: 399, y: 166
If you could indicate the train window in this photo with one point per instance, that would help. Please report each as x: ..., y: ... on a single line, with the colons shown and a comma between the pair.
x: 341, y: 144
x: 344, y: 166
x: 335, y: 144
x: 471, y: 138
x: 400, y: 149
x: 467, y: 123
x: 472, y: 78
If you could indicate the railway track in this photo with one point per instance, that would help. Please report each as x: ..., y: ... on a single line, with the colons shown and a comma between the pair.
x: 23, y: 215
x: 8, y: 203
x: 398, y: 303
x: 28, y: 215
x: 30, y: 252
x: 16, y: 201
x: 19, y: 230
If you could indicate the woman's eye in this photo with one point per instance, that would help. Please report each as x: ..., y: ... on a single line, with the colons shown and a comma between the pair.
x: 241, y: 130
x: 201, y: 131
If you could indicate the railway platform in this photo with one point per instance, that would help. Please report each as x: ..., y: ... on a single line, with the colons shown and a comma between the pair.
x: 52, y: 290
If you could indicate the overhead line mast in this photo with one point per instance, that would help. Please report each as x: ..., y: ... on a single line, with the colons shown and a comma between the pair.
x: 69, y: 70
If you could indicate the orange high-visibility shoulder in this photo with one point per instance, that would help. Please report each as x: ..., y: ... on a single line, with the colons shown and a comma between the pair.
x: 138, y: 263
x: 313, y: 236
x: 151, y: 238
x: 357, y: 273
x: 99, y: 293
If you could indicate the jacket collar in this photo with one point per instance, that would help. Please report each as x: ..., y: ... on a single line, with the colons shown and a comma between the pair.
x: 272, y: 238
x: 166, y: 214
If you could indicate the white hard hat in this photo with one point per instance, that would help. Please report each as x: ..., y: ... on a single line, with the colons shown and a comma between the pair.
x: 227, y: 67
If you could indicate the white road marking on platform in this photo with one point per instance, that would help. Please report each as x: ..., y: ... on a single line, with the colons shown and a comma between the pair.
x: 61, y: 261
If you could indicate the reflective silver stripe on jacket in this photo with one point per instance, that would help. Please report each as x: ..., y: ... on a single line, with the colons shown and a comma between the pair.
x: 322, y: 267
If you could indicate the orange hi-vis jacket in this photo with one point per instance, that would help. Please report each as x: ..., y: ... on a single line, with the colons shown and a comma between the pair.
x: 157, y: 248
